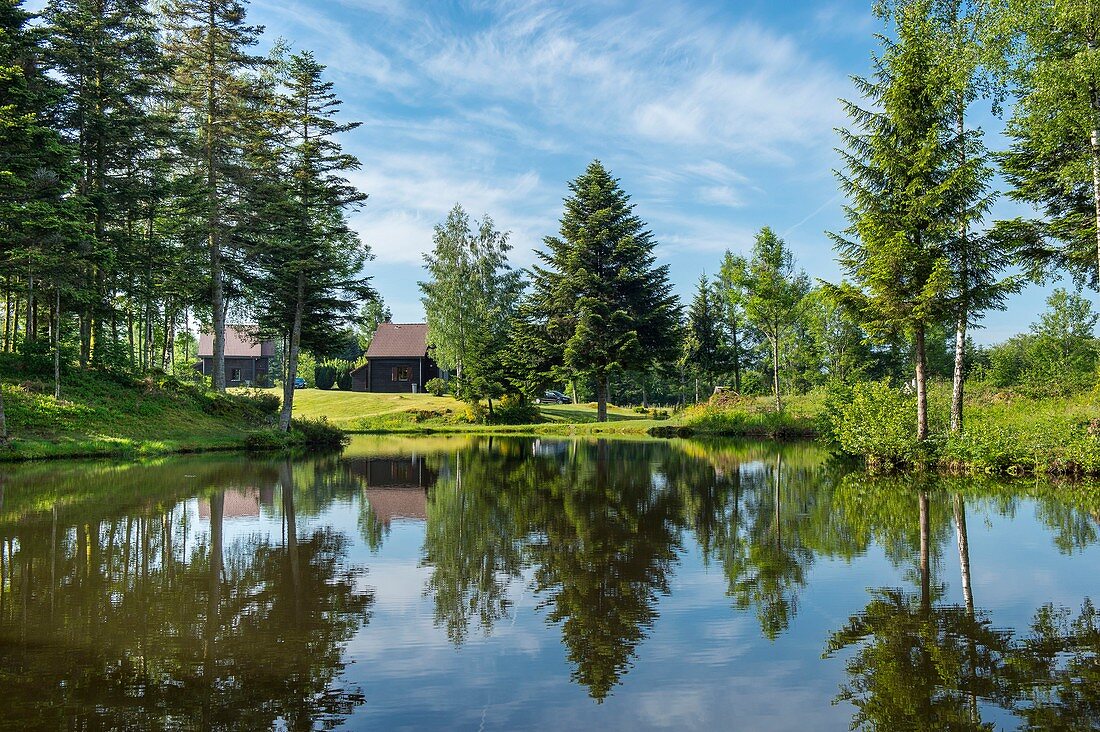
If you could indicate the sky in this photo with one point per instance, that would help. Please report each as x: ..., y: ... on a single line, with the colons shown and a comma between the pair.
x: 718, y: 118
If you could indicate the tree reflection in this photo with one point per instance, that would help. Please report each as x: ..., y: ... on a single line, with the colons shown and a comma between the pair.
x: 142, y: 622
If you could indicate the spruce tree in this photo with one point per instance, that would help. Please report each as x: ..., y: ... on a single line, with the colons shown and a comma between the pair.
x: 305, y: 262
x: 599, y: 302
x: 207, y: 42
x: 903, y: 201
x: 106, y: 54
x: 703, y: 342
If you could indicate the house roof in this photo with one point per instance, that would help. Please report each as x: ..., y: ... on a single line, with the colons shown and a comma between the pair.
x: 239, y: 342
x: 399, y: 340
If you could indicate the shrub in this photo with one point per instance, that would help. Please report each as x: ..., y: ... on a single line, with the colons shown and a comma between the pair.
x: 872, y: 420
x: 316, y: 432
x: 344, y: 381
x: 513, y: 409
x: 436, y: 386
x: 324, y: 377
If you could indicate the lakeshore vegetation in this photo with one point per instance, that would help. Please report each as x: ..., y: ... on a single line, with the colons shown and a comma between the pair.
x: 157, y: 171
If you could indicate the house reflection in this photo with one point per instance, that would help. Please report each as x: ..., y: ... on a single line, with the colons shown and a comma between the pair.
x: 241, y: 502
x: 395, y: 488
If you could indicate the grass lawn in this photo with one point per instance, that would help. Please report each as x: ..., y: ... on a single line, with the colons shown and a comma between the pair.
x: 418, y: 413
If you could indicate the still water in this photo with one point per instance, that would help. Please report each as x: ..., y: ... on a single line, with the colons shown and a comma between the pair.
x: 481, y: 583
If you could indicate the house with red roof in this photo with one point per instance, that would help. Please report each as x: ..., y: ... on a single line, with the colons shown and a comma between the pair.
x: 397, y: 360
x: 247, y: 357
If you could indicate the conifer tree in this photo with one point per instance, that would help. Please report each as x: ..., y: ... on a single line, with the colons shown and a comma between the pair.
x: 730, y: 293
x: 107, y: 57
x: 703, y: 343
x: 774, y: 294
x: 305, y: 262
x: 903, y: 197
x: 207, y: 42
x: 599, y: 302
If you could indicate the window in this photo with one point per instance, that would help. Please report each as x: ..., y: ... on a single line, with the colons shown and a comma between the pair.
x: 400, y: 373
x: 235, y: 375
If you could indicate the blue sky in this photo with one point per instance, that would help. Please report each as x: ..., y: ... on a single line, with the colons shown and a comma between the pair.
x: 718, y: 117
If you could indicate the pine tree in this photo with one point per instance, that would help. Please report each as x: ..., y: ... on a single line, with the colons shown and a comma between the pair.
x: 775, y: 291
x: 38, y: 226
x: 207, y: 41
x: 903, y: 198
x: 305, y: 261
x: 599, y: 303
x: 107, y: 56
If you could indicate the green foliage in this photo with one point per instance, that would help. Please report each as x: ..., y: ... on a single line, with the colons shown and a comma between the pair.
x: 872, y: 420
x: 436, y: 386
x: 515, y: 409
x: 324, y: 376
x: 470, y: 300
x: 343, y: 380
x: 599, y: 303
x: 1058, y: 357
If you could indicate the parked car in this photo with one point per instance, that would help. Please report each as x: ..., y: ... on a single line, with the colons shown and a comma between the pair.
x: 553, y: 397
x: 299, y: 382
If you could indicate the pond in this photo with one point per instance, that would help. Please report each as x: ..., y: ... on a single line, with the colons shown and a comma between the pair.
x: 492, y: 583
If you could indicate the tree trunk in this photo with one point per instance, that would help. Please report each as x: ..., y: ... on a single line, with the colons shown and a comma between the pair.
x: 957, y: 378
x: 3, y: 419
x: 292, y: 358
x: 56, y: 328
x: 697, y: 388
x: 736, y: 358
x: 775, y: 374
x: 925, y: 550
x: 964, y: 284
x: 964, y: 554
x: 922, y: 382
x: 1094, y: 137
x: 573, y: 383
x: 601, y: 398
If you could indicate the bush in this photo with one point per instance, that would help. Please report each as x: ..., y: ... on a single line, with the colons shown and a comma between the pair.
x: 436, y: 386
x: 344, y: 381
x: 324, y: 377
x: 317, y: 432
x: 872, y: 420
x: 513, y: 409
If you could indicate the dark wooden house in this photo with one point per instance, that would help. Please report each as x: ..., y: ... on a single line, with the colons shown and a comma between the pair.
x: 247, y: 359
x: 397, y: 360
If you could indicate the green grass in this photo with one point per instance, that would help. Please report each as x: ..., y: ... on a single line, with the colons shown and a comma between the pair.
x: 100, y: 414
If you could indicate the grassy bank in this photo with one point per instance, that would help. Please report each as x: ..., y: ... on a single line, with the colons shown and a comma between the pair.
x: 104, y: 415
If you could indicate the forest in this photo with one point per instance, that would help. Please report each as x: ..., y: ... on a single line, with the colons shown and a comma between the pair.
x: 157, y: 172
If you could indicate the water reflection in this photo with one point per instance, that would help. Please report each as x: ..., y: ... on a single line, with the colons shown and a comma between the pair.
x: 225, y: 592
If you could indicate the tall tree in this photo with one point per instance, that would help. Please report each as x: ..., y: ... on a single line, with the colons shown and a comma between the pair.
x: 903, y: 195
x: 775, y: 290
x: 731, y: 293
x: 306, y: 262
x: 703, y: 346
x: 470, y: 298
x: 207, y: 41
x: 600, y: 302
x: 1053, y: 161
x: 106, y: 54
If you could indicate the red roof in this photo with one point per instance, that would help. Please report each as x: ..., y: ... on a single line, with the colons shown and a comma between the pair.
x: 399, y: 340
x: 239, y: 341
